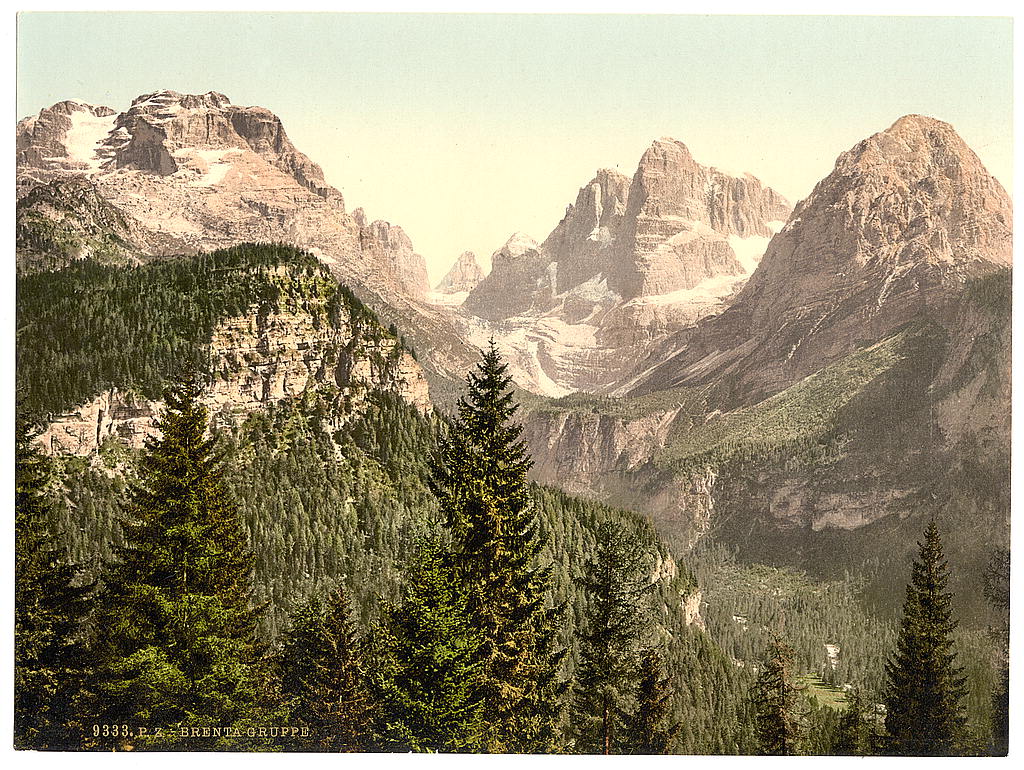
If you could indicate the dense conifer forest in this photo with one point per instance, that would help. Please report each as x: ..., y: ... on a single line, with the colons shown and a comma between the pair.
x: 380, y: 579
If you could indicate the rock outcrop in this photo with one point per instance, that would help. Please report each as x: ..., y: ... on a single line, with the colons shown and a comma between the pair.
x: 519, y: 279
x: 387, y: 244
x: 463, y: 276
x: 257, y: 359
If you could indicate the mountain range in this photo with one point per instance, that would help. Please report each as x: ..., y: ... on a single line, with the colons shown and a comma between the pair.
x: 782, y: 378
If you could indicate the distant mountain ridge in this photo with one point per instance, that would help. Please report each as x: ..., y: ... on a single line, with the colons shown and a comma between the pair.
x: 695, y: 350
x: 463, y: 276
x: 632, y: 260
x: 892, y: 234
x: 198, y: 172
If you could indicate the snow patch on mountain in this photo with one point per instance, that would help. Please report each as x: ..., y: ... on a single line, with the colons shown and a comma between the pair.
x: 85, y: 135
x: 447, y: 299
x: 708, y: 291
x: 216, y: 165
x: 748, y: 251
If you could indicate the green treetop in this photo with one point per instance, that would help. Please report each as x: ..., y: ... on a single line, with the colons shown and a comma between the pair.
x: 777, y: 724
x: 648, y: 730
x: 616, y: 582
x: 50, y: 606
x: 178, y: 644
x: 321, y: 676
x: 425, y: 677
x: 480, y: 482
x: 924, y: 715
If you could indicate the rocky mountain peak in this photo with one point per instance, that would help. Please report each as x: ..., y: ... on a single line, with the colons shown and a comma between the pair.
x: 914, y: 197
x: 512, y: 284
x: 163, y: 98
x: 906, y: 217
x: 913, y: 148
x: 464, y: 275
x: 389, y: 245
x: 666, y: 155
x: 62, y: 137
x: 518, y: 245
x: 596, y: 216
x: 194, y: 171
x: 165, y: 130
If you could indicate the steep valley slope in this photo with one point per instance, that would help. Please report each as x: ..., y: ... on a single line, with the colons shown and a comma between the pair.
x: 856, y: 386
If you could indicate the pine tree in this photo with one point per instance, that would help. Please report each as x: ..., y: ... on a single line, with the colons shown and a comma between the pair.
x: 777, y: 724
x: 924, y: 715
x: 648, y: 730
x: 424, y: 670
x: 178, y: 647
x: 615, y: 581
x: 480, y: 482
x: 51, y: 602
x: 321, y: 676
x: 997, y: 592
x: 855, y: 735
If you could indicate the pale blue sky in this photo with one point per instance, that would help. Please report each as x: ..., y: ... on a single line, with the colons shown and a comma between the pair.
x: 465, y: 128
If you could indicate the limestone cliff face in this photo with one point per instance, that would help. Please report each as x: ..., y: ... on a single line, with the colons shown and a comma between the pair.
x: 67, y: 219
x: 615, y: 457
x: 257, y: 359
x: 680, y: 215
x: 387, y: 244
x: 519, y: 279
x: 583, y: 243
x: 159, y: 127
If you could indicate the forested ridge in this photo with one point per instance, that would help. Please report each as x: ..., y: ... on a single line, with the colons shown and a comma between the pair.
x: 352, y: 549
x: 90, y: 327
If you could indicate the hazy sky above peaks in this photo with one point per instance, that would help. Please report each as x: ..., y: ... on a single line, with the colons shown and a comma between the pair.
x: 466, y: 128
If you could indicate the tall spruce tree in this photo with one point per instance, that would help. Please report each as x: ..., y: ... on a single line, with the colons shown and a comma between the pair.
x: 649, y: 729
x: 423, y: 653
x: 177, y: 647
x: 322, y: 676
x: 777, y: 723
x: 616, y: 583
x: 480, y: 482
x: 50, y: 608
x: 924, y: 712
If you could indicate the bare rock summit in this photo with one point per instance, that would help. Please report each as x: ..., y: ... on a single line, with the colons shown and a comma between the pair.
x: 906, y: 217
x: 197, y: 172
x: 463, y: 276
